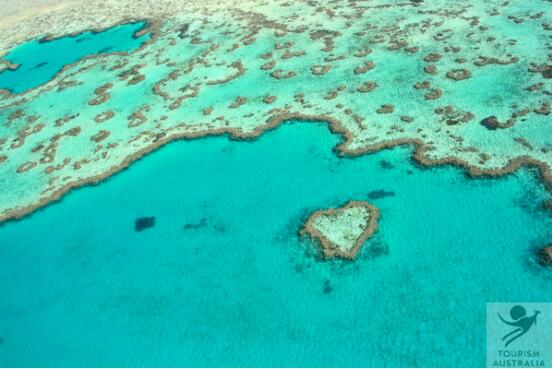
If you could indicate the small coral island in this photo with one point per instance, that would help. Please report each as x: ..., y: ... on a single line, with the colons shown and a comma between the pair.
x: 546, y: 255
x: 342, y: 231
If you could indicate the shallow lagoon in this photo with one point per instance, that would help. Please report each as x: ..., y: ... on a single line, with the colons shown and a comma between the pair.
x: 39, y: 61
x: 224, y: 280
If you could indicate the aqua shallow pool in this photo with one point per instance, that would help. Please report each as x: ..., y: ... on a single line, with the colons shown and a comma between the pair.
x: 223, y: 279
x: 39, y: 61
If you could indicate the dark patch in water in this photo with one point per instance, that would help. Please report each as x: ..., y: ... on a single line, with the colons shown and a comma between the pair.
x: 409, y: 172
x: 534, y: 263
x: 183, y: 30
x: 80, y: 39
x: 377, y: 249
x: 386, y: 165
x: 202, y: 223
x: 104, y: 50
x: 327, y: 287
x: 40, y: 65
x: 1, y: 340
x: 298, y: 268
x: 144, y: 223
x: 219, y: 228
x: 379, y: 194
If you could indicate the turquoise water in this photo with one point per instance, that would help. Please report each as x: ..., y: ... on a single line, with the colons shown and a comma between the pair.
x: 224, y: 280
x: 40, y: 61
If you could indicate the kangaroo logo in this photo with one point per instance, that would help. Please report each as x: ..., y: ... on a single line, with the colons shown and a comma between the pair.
x: 521, y: 321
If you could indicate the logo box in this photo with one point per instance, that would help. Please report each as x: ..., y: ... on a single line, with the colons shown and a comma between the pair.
x: 519, y: 335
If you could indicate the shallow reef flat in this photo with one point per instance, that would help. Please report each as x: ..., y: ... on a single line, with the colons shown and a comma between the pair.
x: 468, y: 83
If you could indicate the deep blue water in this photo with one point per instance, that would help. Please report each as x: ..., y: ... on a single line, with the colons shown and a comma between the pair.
x: 224, y: 279
x: 41, y: 61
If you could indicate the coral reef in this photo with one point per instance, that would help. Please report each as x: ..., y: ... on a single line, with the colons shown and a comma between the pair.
x: 342, y: 231
x: 462, y: 81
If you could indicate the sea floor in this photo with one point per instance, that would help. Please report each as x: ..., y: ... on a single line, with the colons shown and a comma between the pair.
x: 469, y: 82
x: 224, y: 279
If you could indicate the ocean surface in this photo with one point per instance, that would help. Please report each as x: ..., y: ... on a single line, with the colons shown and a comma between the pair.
x: 40, y: 61
x: 223, y: 279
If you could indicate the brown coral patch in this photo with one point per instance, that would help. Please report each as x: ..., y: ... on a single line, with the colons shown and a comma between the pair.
x: 106, y: 115
x: 8, y: 65
x: 545, y: 255
x: 133, y: 71
x: 492, y: 123
x: 433, y: 94
x: 430, y: 69
x: 320, y: 33
x: 65, y: 84
x: 26, y: 167
x: 368, y: 65
x: 280, y: 74
x: 137, y: 118
x: 100, y: 136
x: 319, y: 70
x: 239, y: 101
x: 49, y: 152
x: 141, y: 32
x: 16, y: 114
x: 385, y: 109
x: 362, y: 52
x: 367, y: 86
x: 328, y: 37
x: 452, y: 116
x: 459, y: 74
x: 24, y: 133
x: 269, y: 99
x: 50, y: 169
x: 102, y: 94
x: 331, y: 95
x: 37, y: 148
x: 60, y: 122
x: 484, y: 60
x: 136, y: 79
x: 291, y: 54
x: 74, y: 132
x: 397, y: 45
x: 422, y: 85
x: 524, y: 142
x: 172, y: 76
x: 192, y: 91
x: 334, y: 58
x: 535, y: 87
x: 432, y: 57
x: 268, y: 65
x: 544, y: 109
